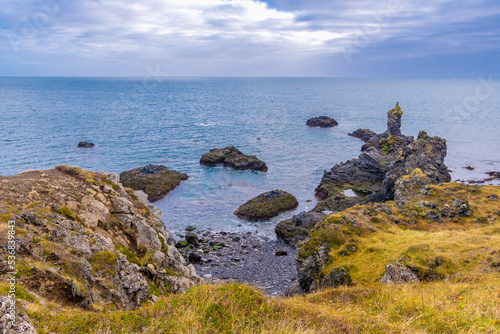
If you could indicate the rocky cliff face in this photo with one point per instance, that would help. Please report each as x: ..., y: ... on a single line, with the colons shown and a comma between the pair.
x: 84, y: 240
x: 384, y: 159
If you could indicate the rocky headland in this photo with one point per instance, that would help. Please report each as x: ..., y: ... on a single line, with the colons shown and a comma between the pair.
x: 232, y: 157
x: 83, y: 240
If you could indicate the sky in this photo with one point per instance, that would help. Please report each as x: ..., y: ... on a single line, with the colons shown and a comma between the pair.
x: 336, y: 38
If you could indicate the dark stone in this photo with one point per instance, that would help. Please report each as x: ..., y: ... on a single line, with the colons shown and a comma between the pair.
x: 181, y: 244
x: 230, y: 156
x: 296, y: 229
x: 363, y: 134
x: 156, y: 181
x: 322, y: 122
x: 192, y: 239
x: 281, y: 252
x: 190, y: 228
x: 85, y: 144
x: 468, y: 167
x: 394, y: 120
x: 194, y: 258
x: 267, y: 205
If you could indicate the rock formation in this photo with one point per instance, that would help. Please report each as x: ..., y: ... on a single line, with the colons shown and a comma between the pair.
x: 267, y: 205
x: 156, y: 181
x: 363, y: 134
x: 322, y: 122
x: 84, y: 240
x: 230, y: 156
x: 384, y: 159
x: 296, y: 229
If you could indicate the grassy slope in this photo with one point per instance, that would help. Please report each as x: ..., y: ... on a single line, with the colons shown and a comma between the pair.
x: 437, y: 307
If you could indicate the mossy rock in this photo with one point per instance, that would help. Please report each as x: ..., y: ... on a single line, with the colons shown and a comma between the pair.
x: 156, y: 181
x: 267, y: 205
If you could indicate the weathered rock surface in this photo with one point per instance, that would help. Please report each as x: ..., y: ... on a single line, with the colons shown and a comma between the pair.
x: 85, y: 144
x: 230, y: 156
x: 12, y: 319
x: 399, y: 273
x: 155, y: 180
x: 385, y: 158
x: 296, y: 229
x: 322, y: 122
x: 84, y: 240
x: 363, y: 134
x: 267, y: 205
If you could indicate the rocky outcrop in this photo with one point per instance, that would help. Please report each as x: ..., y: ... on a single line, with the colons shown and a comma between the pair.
x: 296, y: 229
x: 267, y: 205
x: 85, y: 144
x: 322, y: 122
x: 83, y: 240
x: 385, y: 158
x: 230, y: 156
x: 363, y: 134
x: 156, y: 181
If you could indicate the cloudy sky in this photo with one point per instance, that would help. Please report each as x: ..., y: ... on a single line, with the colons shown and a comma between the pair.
x: 405, y: 38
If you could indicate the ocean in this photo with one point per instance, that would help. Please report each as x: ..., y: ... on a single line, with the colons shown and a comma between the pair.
x: 173, y: 121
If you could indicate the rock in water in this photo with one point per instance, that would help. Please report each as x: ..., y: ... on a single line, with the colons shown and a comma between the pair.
x: 85, y: 144
x: 230, y: 156
x: 363, y: 134
x: 156, y: 181
x: 322, y: 122
x: 267, y: 205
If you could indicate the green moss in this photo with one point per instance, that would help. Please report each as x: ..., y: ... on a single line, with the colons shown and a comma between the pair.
x: 66, y: 212
x: 267, y: 205
x: 104, y: 262
x: 131, y: 257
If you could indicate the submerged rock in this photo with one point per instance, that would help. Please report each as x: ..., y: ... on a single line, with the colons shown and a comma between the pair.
x: 363, y: 134
x: 155, y: 180
x: 322, y: 122
x: 230, y: 156
x: 85, y: 144
x: 267, y: 205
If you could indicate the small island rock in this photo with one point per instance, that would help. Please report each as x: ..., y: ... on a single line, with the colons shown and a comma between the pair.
x: 230, y: 156
x: 267, y: 205
x: 155, y: 180
x: 363, y: 134
x: 85, y: 144
x: 322, y: 122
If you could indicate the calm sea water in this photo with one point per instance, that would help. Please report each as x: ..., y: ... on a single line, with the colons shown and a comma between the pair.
x: 174, y: 121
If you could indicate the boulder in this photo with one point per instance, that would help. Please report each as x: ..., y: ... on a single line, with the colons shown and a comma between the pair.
x: 155, y: 180
x: 85, y: 144
x: 230, y: 156
x: 267, y: 205
x: 296, y: 229
x: 399, y: 273
x: 363, y: 134
x: 322, y: 122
